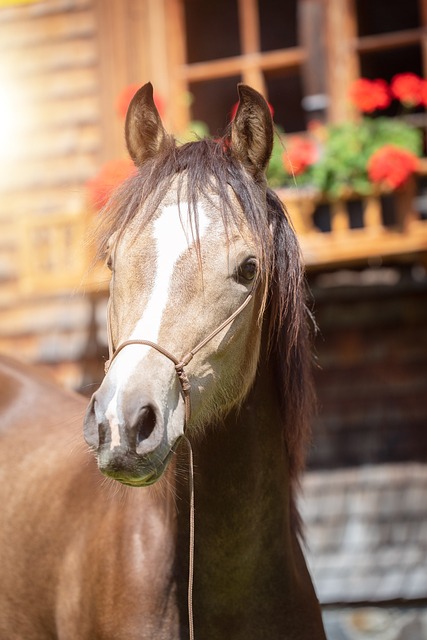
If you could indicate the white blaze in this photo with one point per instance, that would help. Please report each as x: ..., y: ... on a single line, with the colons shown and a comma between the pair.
x: 173, y: 236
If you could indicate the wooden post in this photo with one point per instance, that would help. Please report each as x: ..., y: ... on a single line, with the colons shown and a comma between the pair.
x: 250, y: 44
x: 179, y: 109
x: 113, y: 71
x: 373, y: 220
x: 311, y: 26
x: 342, y: 59
x: 423, y: 14
x: 339, y: 217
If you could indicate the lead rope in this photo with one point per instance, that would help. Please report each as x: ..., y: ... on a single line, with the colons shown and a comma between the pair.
x: 185, y: 388
x: 191, y: 542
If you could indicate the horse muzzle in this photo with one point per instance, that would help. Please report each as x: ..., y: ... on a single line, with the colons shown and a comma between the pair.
x: 130, y: 441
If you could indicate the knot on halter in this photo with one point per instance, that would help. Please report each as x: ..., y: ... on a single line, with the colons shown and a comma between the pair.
x: 183, y: 378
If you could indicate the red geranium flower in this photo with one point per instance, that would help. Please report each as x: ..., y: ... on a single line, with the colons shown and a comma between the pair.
x: 424, y: 93
x: 126, y: 95
x: 408, y: 88
x: 111, y: 175
x: 300, y: 155
x: 369, y: 95
x: 391, y: 166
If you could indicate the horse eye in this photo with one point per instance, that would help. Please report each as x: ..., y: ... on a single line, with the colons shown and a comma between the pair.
x: 247, y: 270
x: 109, y: 262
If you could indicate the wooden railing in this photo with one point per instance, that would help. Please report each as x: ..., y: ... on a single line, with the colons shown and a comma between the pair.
x: 374, y: 228
x: 55, y: 254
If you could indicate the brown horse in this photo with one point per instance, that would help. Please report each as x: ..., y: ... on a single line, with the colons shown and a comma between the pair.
x: 206, y: 313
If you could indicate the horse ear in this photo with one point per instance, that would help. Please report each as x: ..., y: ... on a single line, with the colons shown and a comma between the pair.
x: 252, y: 130
x: 145, y: 135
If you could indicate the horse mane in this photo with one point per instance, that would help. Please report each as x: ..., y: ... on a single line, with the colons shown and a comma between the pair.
x: 209, y: 167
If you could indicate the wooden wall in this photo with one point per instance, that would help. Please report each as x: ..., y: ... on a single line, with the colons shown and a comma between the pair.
x: 50, y: 87
x: 372, y: 375
x: 64, y: 63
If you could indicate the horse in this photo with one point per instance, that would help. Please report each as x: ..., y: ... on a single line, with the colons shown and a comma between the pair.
x: 209, y: 338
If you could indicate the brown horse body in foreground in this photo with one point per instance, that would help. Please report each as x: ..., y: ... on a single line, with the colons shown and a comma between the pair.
x: 87, y: 558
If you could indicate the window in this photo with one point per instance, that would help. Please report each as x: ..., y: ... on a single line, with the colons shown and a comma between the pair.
x: 251, y: 41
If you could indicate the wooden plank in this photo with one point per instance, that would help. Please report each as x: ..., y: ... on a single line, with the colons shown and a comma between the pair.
x: 76, y: 111
x: 311, y: 23
x: 158, y: 46
x: 342, y: 59
x: 250, y: 43
x: 50, y: 173
x: 62, y: 84
x: 178, y: 114
x: 384, y: 41
x: 423, y: 13
x: 358, y: 245
x: 60, y: 27
x: 51, y: 58
x: 45, y: 201
x: 54, y: 256
x: 339, y: 217
x: 373, y: 218
x: 112, y: 45
x: 279, y: 59
x: 38, y: 9
x: 137, y: 25
x: 43, y: 144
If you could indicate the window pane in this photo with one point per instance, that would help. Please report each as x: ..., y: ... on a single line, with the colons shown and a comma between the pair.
x: 385, y: 64
x: 278, y: 24
x: 382, y: 16
x: 285, y: 95
x: 212, y: 29
x: 213, y: 101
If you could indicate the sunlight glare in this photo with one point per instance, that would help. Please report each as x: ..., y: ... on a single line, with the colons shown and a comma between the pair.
x: 11, y: 122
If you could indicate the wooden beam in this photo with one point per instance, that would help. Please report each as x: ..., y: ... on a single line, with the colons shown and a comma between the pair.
x: 113, y: 71
x: 342, y: 59
x: 250, y: 43
x: 384, y: 41
x: 423, y: 14
x: 226, y: 67
x: 178, y: 104
x: 311, y: 27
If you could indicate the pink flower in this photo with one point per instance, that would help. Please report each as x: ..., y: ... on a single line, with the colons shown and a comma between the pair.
x: 369, y: 95
x: 391, y: 166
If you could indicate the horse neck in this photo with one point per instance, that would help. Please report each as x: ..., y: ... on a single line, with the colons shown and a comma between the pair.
x: 242, y: 479
x: 245, y: 549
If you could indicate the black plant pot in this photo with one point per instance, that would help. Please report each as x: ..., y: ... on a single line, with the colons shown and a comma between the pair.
x: 355, y: 209
x: 389, y: 210
x: 322, y: 217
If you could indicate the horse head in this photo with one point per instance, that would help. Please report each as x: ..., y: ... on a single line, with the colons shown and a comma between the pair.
x: 188, y: 249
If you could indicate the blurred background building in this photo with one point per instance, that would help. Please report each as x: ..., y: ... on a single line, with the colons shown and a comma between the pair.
x: 64, y: 66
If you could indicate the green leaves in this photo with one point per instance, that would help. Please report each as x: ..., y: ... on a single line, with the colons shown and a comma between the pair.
x: 344, y: 153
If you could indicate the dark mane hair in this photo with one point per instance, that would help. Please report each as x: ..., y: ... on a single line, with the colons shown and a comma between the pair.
x: 208, y: 167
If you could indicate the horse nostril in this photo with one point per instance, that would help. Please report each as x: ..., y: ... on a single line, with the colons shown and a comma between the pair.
x: 90, y: 426
x: 146, y: 423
